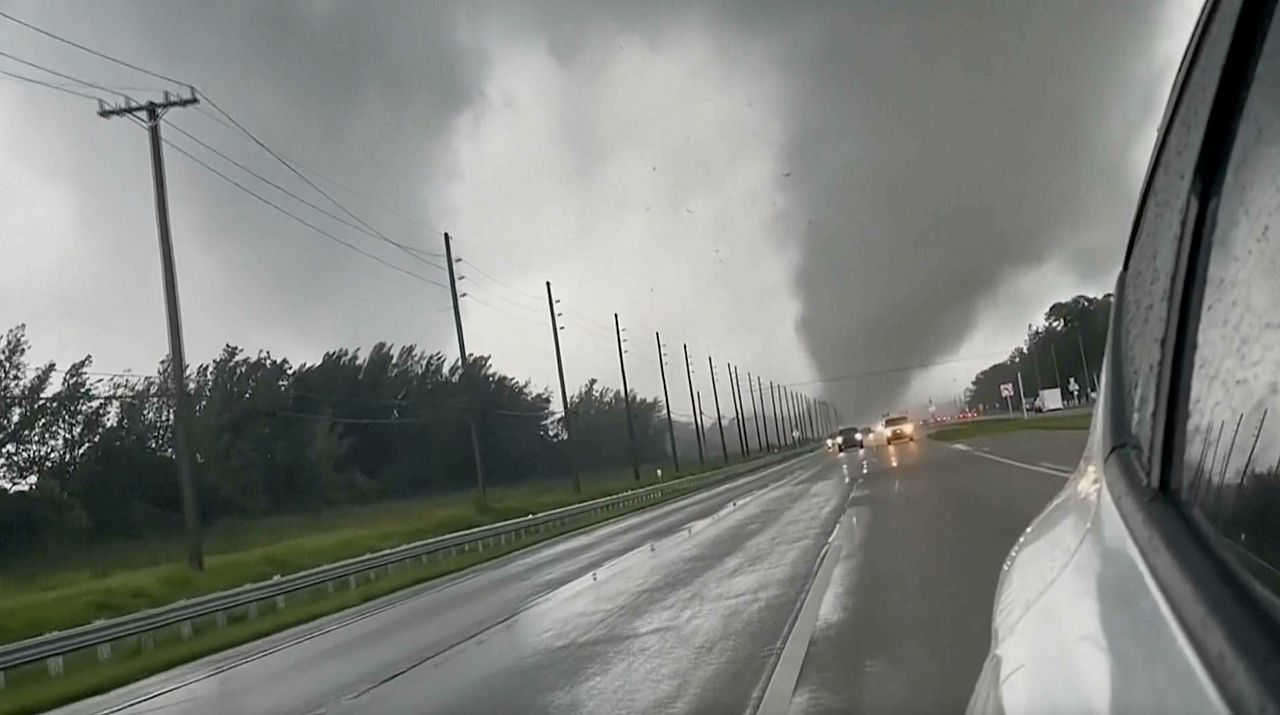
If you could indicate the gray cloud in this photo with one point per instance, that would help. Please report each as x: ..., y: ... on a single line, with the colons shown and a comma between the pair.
x: 808, y: 192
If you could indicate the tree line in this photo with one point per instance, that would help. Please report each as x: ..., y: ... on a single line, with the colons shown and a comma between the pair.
x: 89, y: 454
x: 1068, y: 343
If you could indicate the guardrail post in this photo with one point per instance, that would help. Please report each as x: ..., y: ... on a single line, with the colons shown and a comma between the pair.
x: 280, y: 602
x: 148, y: 640
x: 330, y: 585
x: 253, y: 611
x: 54, y: 665
x: 104, y: 652
x: 1, y: 680
x: 351, y: 581
x: 422, y: 559
x: 184, y: 628
x: 221, y: 619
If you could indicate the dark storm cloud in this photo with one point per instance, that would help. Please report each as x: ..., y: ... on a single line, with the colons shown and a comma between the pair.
x: 891, y: 165
x: 939, y: 151
x: 359, y: 95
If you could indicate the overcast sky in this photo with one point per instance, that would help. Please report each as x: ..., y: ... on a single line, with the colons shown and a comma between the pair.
x: 810, y: 190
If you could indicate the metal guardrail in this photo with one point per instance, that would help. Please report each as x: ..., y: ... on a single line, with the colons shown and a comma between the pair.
x: 52, y: 646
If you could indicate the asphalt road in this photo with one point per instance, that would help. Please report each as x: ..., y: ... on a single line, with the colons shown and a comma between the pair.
x: 687, y: 607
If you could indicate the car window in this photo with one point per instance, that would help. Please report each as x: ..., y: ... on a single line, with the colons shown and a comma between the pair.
x: 1144, y: 307
x: 1231, y: 462
x: 895, y: 421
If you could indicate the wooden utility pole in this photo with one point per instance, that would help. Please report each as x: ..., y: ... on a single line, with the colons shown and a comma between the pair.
x: 464, y: 358
x: 666, y: 401
x: 564, y: 396
x: 626, y: 401
x: 152, y: 113
x: 724, y: 446
x: 697, y: 409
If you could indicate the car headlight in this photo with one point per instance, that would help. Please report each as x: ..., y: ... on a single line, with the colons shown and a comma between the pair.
x: 910, y: 427
x: 857, y: 435
x: 840, y: 439
x: 830, y: 442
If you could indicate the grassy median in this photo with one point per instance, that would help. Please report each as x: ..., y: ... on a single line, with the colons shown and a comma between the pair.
x: 1012, y: 424
x: 77, y: 582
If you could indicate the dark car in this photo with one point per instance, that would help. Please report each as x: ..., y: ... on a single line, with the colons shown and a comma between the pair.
x: 1151, y: 583
x: 849, y: 438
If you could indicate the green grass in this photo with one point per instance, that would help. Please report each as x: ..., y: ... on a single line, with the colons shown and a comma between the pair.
x: 33, y: 691
x: 78, y: 582
x: 1000, y: 426
x: 30, y: 690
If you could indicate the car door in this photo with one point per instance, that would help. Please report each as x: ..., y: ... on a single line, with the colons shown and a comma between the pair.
x: 1148, y: 584
x: 1205, y: 510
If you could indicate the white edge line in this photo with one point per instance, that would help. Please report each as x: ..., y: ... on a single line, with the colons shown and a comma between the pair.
x: 782, y: 682
x: 1033, y: 467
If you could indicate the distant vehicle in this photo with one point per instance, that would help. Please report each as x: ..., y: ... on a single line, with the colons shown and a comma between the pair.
x: 849, y: 438
x: 846, y: 438
x: 899, y: 429
x: 1049, y: 399
x: 1151, y: 583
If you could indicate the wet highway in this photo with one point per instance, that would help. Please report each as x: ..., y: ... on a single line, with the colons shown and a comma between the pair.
x: 686, y: 607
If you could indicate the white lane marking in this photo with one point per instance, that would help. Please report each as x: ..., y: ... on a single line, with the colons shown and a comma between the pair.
x: 1058, y: 467
x: 1046, y: 468
x: 782, y: 682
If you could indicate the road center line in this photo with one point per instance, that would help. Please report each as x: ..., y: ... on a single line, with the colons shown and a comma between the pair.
x: 1042, y: 467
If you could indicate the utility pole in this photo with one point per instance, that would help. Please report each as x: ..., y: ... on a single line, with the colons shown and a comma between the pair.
x: 724, y: 446
x: 777, y: 424
x: 806, y: 417
x: 742, y: 408
x: 793, y: 433
x: 693, y: 404
x: 154, y: 111
x: 701, y: 428
x: 564, y: 395
x: 755, y: 412
x: 463, y: 359
x: 1034, y: 357
x: 1022, y: 396
x: 737, y: 419
x: 764, y: 418
x: 626, y: 402
x: 807, y: 404
x: 666, y: 400
x: 1084, y: 361
x: 1053, y: 353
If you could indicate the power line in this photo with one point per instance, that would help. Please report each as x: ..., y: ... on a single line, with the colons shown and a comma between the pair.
x: 481, y: 271
x: 90, y: 50
x: 891, y: 370
x: 290, y: 194
x: 288, y: 165
x: 56, y: 73
x: 50, y: 85
x: 301, y: 220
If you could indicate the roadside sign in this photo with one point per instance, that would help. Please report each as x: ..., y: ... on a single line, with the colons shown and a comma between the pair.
x: 1006, y: 389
